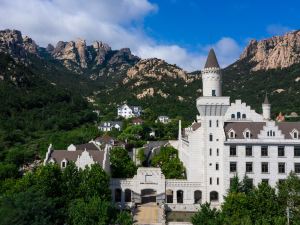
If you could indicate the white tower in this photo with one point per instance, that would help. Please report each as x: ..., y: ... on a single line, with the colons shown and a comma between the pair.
x: 266, y: 108
x: 211, y: 76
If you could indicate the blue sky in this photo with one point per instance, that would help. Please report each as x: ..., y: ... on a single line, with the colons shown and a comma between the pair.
x: 178, y: 31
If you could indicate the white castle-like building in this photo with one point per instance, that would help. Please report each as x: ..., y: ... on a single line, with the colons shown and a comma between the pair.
x: 227, y: 139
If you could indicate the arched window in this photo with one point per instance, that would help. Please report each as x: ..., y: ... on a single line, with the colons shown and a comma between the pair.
x: 238, y: 115
x: 232, y: 116
x: 210, y: 137
x: 232, y: 134
x: 197, y: 197
x: 127, y: 195
x: 179, y: 196
x: 244, y: 116
x: 214, y: 196
x: 169, y: 194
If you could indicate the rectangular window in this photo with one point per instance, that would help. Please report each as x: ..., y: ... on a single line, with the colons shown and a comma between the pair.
x: 210, y: 151
x: 218, y: 181
x: 281, y: 167
x: 265, y: 181
x: 281, y: 151
x: 249, y: 182
x: 249, y: 167
x: 210, y: 137
x: 232, y: 167
x: 217, y: 166
x: 232, y: 150
x: 248, y: 150
x: 210, y: 123
x: 213, y: 92
x: 297, y: 151
x: 297, y: 167
x: 264, y: 150
x: 210, y: 181
x: 265, y: 167
x: 217, y: 152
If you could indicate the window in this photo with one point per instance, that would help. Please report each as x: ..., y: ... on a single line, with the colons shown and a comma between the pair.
x: 297, y: 167
x: 231, y: 134
x: 210, y: 181
x: 247, y: 134
x: 248, y: 150
x: 295, y: 135
x: 210, y: 151
x: 249, y: 167
x: 244, y: 116
x: 249, y: 182
x: 127, y: 195
x: 197, y: 197
x: 218, y: 181
x: 266, y: 181
x: 63, y: 164
x: 214, y: 196
x: 210, y: 123
x: 217, y: 123
x: 297, y: 151
x: 210, y: 137
x: 217, y: 152
x: 238, y: 115
x: 232, y: 116
x: 232, y: 151
x: 213, y: 92
x: 264, y: 151
x: 232, y: 167
x: 179, y: 195
x: 264, y: 167
x: 217, y: 166
x: 281, y: 181
x: 281, y: 151
x: 281, y: 167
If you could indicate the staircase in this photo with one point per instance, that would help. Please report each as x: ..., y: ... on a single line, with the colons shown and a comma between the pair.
x: 150, y: 214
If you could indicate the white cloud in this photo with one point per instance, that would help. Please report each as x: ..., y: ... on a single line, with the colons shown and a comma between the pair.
x: 278, y: 29
x: 116, y: 22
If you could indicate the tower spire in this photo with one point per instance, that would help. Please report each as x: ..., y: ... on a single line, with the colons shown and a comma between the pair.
x: 266, y: 101
x: 211, y: 61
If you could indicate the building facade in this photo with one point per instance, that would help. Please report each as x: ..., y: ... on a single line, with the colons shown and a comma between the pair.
x: 227, y: 139
x: 110, y: 125
x: 127, y: 111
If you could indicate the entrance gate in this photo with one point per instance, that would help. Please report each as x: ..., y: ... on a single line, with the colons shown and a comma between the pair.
x: 148, y: 195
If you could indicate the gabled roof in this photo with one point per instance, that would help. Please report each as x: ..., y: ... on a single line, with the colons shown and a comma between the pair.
x: 87, y: 146
x: 239, y: 128
x: 59, y: 155
x: 288, y: 127
x: 211, y: 60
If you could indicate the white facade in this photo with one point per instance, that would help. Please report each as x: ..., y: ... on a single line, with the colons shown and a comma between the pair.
x: 227, y: 139
x: 127, y: 112
x: 163, y: 119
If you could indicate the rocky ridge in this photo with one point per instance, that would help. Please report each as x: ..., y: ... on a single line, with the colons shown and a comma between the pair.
x: 275, y: 52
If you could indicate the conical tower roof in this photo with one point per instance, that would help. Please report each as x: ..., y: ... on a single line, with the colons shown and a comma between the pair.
x: 211, y: 60
x: 266, y: 101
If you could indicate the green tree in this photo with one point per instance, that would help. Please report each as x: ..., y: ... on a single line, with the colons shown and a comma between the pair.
x: 93, y: 211
x: 121, y: 164
x: 124, y: 218
x: 207, y: 216
x: 141, y: 157
x: 167, y: 159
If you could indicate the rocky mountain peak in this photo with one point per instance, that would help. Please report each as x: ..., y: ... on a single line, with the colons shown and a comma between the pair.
x: 275, y: 52
x: 12, y: 42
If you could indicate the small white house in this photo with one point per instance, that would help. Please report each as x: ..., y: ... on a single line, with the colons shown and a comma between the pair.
x: 126, y: 111
x: 110, y: 125
x: 163, y: 119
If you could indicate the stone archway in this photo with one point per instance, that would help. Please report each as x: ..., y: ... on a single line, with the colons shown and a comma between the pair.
x: 148, y: 195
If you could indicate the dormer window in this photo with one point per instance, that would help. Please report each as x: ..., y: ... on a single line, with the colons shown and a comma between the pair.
x: 238, y: 115
x: 231, y: 134
x: 232, y: 116
x: 295, y: 134
x: 247, y: 134
x: 271, y: 133
x: 64, y: 163
x: 244, y: 116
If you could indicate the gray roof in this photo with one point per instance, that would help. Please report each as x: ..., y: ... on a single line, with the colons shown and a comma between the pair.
x: 87, y: 146
x: 287, y: 127
x: 211, y: 60
x: 239, y: 128
x: 255, y: 128
x: 59, y: 155
x: 195, y: 126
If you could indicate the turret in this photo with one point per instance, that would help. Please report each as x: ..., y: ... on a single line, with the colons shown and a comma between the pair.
x: 266, y: 108
x: 211, y: 76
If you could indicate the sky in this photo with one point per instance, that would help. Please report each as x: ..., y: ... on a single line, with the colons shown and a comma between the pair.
x: 178, y: 31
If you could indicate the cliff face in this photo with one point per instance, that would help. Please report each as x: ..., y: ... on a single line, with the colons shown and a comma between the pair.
x: 276, y: 52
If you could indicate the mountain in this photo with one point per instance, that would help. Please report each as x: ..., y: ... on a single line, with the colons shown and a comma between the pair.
x: 273, y: 53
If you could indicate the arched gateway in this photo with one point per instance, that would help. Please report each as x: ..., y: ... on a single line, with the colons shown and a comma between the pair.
x: 148, y: 195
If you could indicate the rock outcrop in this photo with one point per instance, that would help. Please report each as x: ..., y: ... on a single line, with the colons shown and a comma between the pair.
x: 276, y: 52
